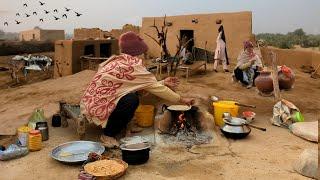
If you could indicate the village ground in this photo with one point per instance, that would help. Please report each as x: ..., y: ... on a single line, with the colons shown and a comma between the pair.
x: 262, y: 155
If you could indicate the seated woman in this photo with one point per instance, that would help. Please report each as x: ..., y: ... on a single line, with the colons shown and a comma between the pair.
x: 186, y: 56
x: 110, y: 99
x: 248, y: 65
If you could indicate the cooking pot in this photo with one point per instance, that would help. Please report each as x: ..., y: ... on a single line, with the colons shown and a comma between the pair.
x: 189, y: 112
x: 235, y: 128
x: 135, y: 154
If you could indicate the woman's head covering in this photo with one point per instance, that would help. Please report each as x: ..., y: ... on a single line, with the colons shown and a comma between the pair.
x: 130, y: 43
x: 245, y: 56
x: 247, y: 44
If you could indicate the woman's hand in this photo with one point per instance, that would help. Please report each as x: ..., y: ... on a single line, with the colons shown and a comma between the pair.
x: 171, y: 82
x: 252, y: 61
x: 187, y: 101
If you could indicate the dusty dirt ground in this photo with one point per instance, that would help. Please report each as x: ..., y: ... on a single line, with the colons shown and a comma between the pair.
x: 262, y: 155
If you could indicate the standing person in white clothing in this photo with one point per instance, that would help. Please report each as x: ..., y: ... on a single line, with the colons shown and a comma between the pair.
x: 221, y: 55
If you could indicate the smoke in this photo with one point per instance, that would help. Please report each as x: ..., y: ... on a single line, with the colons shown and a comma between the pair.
x: 4, y: 11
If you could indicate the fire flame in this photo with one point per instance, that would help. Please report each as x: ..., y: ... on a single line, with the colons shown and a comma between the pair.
x: 181, y: 120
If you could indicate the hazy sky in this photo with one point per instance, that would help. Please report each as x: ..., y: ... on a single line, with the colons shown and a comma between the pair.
x: 268, y: 15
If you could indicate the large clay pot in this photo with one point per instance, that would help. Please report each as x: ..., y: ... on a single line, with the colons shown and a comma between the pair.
x: 264, y: 82
x: 286, y: 80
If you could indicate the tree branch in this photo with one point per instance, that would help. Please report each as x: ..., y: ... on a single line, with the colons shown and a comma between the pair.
x: 154, y: 26
x: 153, y: 39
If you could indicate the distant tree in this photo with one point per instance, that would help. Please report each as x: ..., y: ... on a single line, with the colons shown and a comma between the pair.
x: 2, y: 33
x: 299, y: 32
x: 297, y: 37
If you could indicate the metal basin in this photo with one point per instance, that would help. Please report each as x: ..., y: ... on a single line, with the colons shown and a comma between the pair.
x: 76, y: 151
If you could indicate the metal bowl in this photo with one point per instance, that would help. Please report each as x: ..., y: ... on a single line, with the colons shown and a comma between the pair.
x: 76, y: 151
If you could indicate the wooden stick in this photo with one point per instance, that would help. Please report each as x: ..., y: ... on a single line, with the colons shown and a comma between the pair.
x: 260, y: 54
x: 275, y: 78
x: 205, y: 51
x: 94, y: 58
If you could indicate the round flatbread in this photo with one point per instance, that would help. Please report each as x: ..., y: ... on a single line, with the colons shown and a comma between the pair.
x: 179, y: 108
x: 104, y: 168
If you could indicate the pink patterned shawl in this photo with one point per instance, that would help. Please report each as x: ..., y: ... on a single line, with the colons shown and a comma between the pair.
x: 116, y: 77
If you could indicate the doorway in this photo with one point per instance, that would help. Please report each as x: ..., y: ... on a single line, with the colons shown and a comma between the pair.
x: 89, y: 50
x: 105, y: 50
x: 186, y: 35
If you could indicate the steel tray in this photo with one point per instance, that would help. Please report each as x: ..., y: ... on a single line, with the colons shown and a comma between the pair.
x: 76, y: 151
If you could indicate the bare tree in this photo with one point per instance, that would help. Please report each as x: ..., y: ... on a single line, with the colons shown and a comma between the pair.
x: 161, y: 39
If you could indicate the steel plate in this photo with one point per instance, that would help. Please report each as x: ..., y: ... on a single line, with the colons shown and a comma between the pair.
x: 76, y: 151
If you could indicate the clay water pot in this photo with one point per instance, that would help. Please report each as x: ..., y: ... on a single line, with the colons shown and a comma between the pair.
x: 264, y: 82
x: 286, y: 81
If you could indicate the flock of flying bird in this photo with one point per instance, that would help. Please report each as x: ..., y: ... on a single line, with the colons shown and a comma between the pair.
x: 34, y: 13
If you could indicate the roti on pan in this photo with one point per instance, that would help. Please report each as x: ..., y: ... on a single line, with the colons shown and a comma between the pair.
x: 179, y: 108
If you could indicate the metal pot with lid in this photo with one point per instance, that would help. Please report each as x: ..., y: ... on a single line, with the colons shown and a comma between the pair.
x: 235, y: 128
x: 135, y: 154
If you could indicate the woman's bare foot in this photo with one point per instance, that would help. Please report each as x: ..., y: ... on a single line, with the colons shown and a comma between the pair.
x: 109, y: 142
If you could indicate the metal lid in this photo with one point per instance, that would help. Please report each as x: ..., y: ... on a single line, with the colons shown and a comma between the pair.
x: 135, y: 147
x: 133, y: 140
x: 234, y: 121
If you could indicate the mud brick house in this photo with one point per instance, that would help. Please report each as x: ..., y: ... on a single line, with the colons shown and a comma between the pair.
x: 90, y: 33
x: 202, y: 28
x: 126, y: 28
x: 38, y: 34
x: 97, y: 33
x: 68, y: 54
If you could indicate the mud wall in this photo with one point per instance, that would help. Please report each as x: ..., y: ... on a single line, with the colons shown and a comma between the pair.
x: 68, y: 52
x: 238, y: 27
x: 126, y: 28
x: 52, y: 35
x: 30, y: 35
x: 41, y: 35
x: 291, y: 57
x: 87, y: 33
x: 24, y: 47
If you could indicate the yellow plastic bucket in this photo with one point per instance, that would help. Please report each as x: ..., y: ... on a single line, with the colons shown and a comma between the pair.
x: 221, y: 107
x: 144, y: 115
